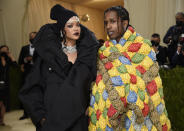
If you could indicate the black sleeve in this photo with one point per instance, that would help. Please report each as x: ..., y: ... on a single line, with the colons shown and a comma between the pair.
x: 21, y: 57
x: 175, y: 60
x: 88, y: 51
x: 32, y: 93
x: 169, y: 33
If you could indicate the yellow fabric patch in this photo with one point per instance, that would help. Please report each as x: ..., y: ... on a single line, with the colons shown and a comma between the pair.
x: 107, y: 120
x: 140, y: 83
x: 91, y: 127
x: 138, y: 39
x: 156, y: 99
x: 127, y: 34
x: 107, y: 52
x: 119, y: 47
x: 97, y: 125
x: 111, y: 44
x: 125, y: 78
x: 158, y: 82
x: 94, y: 89
x: 153, y: 128
x: 131, y: 128
x: 99, y: 52
x: 124, y: 129
x: 107, y: 103
x: 113, y: 72
x: 145, y: 49
x: 163, y: 119
x: 131, y: 54
x: 90, y: 109
x: 168, y: 123
x: 101, y: 104
x: 163, y: 102
x: 121, y: 91
x: 144, y: 128
x: 101, y: 86
x: 133, y: 88
x: 102, y: 123
x: 116, y: 63
x: 129, y: 114
x: 140, y: 103
x: 146, y: 100
x: 95, y: 107
x: 134, y: 33
x: 131, y: 69
x: 147, y: 62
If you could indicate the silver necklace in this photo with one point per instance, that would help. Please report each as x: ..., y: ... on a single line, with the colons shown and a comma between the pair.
x: 69, y: 49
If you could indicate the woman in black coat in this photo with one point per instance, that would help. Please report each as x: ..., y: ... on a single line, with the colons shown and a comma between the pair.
x: 56, y: 92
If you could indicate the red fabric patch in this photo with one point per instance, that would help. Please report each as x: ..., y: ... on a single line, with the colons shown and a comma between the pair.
x: 108, y: 65
x: 123, y: 99
x: 98, y: 113
x: 145, y: 111
x: 141, y: 69
x: 126, y: 55
x: 102, y: 56
x: 164, y: 127
x: 133, y: 79
x: 134, y: 47
x: 107, y: 44
x: 111, y: 111
x: 98, y: 79
x: 152, y: 87
x: 131, y: 29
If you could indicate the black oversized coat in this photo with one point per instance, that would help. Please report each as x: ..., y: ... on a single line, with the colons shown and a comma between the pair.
x: 57, y: 89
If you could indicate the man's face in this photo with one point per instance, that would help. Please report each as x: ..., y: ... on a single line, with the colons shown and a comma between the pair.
x: 155, y: 39
x: 4, y: 49
x: 113, y: 26
x: 179, y: 19
x: 32, y: 35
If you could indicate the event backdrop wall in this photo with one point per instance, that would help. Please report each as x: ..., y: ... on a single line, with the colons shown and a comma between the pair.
x: 19, y: 17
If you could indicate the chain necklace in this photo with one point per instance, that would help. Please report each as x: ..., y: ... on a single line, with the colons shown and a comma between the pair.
x: 69, y: 49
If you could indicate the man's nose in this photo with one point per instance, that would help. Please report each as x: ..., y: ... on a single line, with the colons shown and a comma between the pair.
x: 108, y: 26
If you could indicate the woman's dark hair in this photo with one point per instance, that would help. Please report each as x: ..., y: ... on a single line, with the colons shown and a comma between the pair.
x: 122, y: 13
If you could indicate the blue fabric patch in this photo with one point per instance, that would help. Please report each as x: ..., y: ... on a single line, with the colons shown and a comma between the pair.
x: 124, y: 60
x: 148, y: 123
x: 137, y: 34
x: 117, y: 81
x: 127, y: 123
x: 122, y: 41
x: 92, y: 101
x: 132, y: 97
x: 160, y: 108
x: 152, y: 55
x: 105, y: 95
x: 108, y: 128
x: 114, y: 42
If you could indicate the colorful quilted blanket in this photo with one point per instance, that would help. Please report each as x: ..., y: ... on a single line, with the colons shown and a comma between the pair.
x: 128, y: 92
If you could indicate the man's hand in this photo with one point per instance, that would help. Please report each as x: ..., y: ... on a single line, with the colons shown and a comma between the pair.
x: 11, y: 56
x: 29, y: 58
x: 42, y: 121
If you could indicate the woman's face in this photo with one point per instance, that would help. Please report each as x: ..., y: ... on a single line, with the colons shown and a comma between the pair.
x: 114, y: 26
x: 72, y: 29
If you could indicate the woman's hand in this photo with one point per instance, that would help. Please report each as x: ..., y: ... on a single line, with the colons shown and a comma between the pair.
x: 87, y: 111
